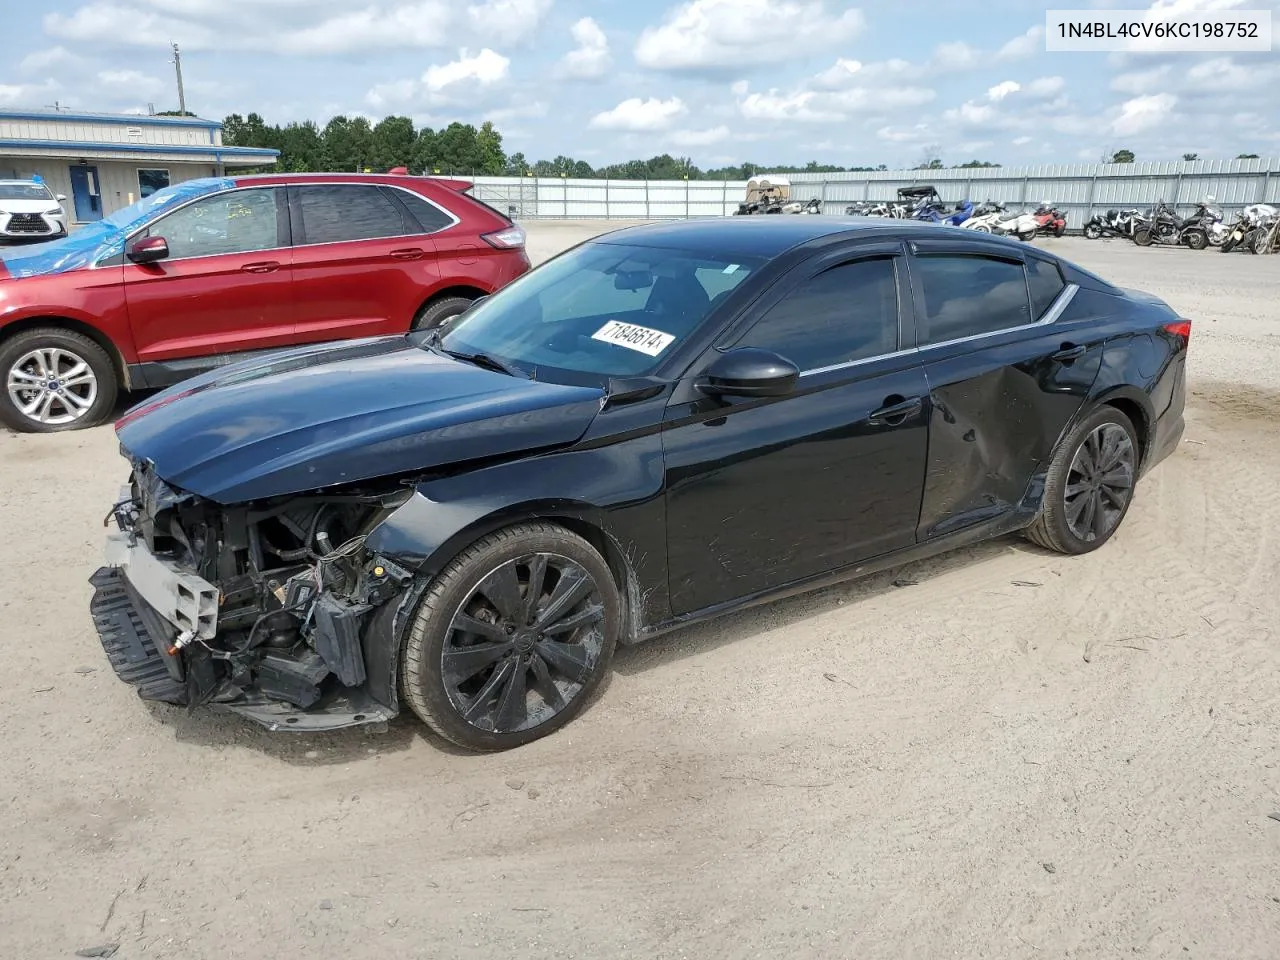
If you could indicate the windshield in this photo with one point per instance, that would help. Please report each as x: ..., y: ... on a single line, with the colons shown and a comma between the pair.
x: 602, y: 309
x: 24, y: 191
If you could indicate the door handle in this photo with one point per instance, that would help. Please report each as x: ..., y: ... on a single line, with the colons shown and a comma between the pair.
x: 1069, y: 353
x: 265, y: 266
x: 895, y: 411
x: 408, y: 253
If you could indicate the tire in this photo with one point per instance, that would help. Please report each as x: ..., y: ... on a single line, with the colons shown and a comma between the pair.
x: 1229, y: 243
x: 1196, y: 239
x: 1027, y: 237
x: 573, y: 669
x: 438, y: 311
x: 982, y: 228
x: 1251, y: 239
x: 1059, y: 230
x: 88, y: 387
x: 1262, y: 242
x: 1054, y: 528
x: 1142, y: 237
x: 1092, y: 231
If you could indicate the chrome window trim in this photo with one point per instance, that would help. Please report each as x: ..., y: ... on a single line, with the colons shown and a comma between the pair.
x: 347, y: 183
x: 1055, y: 311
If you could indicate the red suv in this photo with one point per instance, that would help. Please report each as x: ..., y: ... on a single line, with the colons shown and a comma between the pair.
x: 208, y: 271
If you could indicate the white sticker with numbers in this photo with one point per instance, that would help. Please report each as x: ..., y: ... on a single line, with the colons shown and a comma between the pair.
x: 634, y: 337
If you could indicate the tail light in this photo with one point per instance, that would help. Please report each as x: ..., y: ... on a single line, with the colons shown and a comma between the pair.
x: 508, y: 238
x: 1180, y: 328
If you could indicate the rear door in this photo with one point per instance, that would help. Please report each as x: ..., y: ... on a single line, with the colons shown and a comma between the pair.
x: 1007, y: 371
x: 226, y: 285
x: 362, y: 262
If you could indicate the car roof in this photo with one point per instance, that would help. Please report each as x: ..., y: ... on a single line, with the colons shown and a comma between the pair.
x: 769, y: 236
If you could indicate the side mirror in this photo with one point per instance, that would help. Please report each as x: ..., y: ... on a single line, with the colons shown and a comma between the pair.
x: 61, y: 197
x: 148, y: 250
x: 749, y: 372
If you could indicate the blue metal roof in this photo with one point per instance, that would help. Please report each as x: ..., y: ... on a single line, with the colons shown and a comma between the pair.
x: 128, y: 119
x: 141, y: 149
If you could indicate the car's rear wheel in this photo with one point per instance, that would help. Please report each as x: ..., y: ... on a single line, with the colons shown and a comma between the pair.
x: 1089, y: 485
x: 55, y: 380
x: 511, y: 640
x: 438, y: 312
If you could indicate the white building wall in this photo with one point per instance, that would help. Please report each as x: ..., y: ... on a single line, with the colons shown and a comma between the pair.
x: 85, y: 131
x: 118, y: 180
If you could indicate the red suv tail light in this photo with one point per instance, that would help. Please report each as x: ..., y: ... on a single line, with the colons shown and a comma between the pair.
x: 1182, y: 328
x: 509, y: 238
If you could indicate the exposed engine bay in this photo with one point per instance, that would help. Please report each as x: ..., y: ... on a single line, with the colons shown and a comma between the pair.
x: 257, y: 607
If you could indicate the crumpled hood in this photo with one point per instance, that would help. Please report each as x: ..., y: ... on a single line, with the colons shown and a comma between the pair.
x: 317, y: 416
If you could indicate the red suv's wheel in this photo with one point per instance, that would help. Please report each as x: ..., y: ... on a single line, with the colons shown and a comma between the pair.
x: 55, y: 380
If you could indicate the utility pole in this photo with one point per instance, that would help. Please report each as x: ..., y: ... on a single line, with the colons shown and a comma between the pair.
x: 177, y: 68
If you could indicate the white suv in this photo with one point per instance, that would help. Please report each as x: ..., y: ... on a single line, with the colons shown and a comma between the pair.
x: 29, y: 211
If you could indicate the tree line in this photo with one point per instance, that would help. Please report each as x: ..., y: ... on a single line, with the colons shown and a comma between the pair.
x: 354, y: 144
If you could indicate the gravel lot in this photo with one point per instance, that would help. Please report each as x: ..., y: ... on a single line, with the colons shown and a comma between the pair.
x: 1079, y: 764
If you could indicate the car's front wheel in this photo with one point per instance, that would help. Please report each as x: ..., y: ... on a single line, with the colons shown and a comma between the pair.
x: 55, y: 380
x: 1089, y: 485
x: 511, y: 640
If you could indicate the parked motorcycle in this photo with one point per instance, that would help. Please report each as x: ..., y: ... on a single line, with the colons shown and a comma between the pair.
x: 1169, y: 229
x: 985, y: 216
x: 963, y: 211
x: 1024, y: 226
x: 811, y: 206
x: 1050, y: 219
x: 1264, y: 238
x: 1114, y: 223
x: 1251, y: 218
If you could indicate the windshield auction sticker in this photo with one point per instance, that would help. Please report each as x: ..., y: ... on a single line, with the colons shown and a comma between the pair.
x: 634, y: 337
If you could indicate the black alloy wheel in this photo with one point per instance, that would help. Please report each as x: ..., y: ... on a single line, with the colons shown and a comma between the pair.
x: 1100, y: 483
x: 1089, y: 485
x: 512, y: 639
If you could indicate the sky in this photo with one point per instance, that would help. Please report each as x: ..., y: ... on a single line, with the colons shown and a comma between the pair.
x: 720, y: 81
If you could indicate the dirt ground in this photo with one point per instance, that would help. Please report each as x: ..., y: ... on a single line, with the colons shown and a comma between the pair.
x: 1021, y: 755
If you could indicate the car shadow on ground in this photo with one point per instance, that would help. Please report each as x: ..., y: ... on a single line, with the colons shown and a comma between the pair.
x: 207, y: 728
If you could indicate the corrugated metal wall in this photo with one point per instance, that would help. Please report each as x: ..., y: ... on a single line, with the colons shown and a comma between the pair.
x: 143, y: 131
x: 1077, y: 189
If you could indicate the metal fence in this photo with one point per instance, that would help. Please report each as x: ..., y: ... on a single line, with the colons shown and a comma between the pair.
x: 1079, y: 190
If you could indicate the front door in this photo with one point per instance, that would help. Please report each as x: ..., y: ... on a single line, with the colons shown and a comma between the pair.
x: 763, y: 492
x: 1008, y: 364
x: 226, y: 286
x: 86, y: 193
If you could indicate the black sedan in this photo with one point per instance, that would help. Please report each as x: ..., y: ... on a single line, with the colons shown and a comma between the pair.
x: 661, y: 425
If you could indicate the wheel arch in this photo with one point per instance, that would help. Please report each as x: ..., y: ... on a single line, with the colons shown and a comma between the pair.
x: 470, y: 291
x: 1135, y: 405
x: 71, y: 325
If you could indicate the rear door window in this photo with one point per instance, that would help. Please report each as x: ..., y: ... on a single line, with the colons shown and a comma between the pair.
x: 967, y: 296
x: 1045, y: 282
x: 343, y: 212
x: 848, y: 312
x: 426, y: 217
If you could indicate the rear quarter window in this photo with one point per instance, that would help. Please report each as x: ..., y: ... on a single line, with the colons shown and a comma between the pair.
x: 1044, y: 281
x: 427, y: 216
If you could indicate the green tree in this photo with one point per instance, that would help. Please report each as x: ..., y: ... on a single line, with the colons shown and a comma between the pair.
x: 1190, y: 156
x: 1247, y: 156
x: 457, y: 149
x: 492, y: 159
x: 517, y: 165
x: 1122, y: 156
x: 426, y: 154
x: 392, y: 143
x: 976, y: 165
x: 347, y: 144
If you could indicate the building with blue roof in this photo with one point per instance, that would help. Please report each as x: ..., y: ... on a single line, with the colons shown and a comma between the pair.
x: 102, y: 162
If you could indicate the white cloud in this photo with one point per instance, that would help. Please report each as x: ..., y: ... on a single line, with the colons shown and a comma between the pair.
x: 387, y: 95
x: 875, y: 99
x: 133, y: 82
x: 507, y: 21
x: 977, y: 114
x: 637, y: 114
x: 1002, y: 90
x: 42, y: 60
x: 518, y: 111
x: 1141, y: 81
x: 1022, y: 141
x: 1046, y: 86
x: 790, y: 106
x: 838, y: 74
x: 698, y: 138
x: 1143, y: 113
x: 485, y: 68
x: 1024, y: 45
x: 740, y: 87
x: 956, y: 55
x: 591, y: 57
x: 27, y: 94
x: 718, y: 34
x: 419, y: 24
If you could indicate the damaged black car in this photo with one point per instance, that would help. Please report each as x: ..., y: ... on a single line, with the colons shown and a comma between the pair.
x: 656, y: 427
